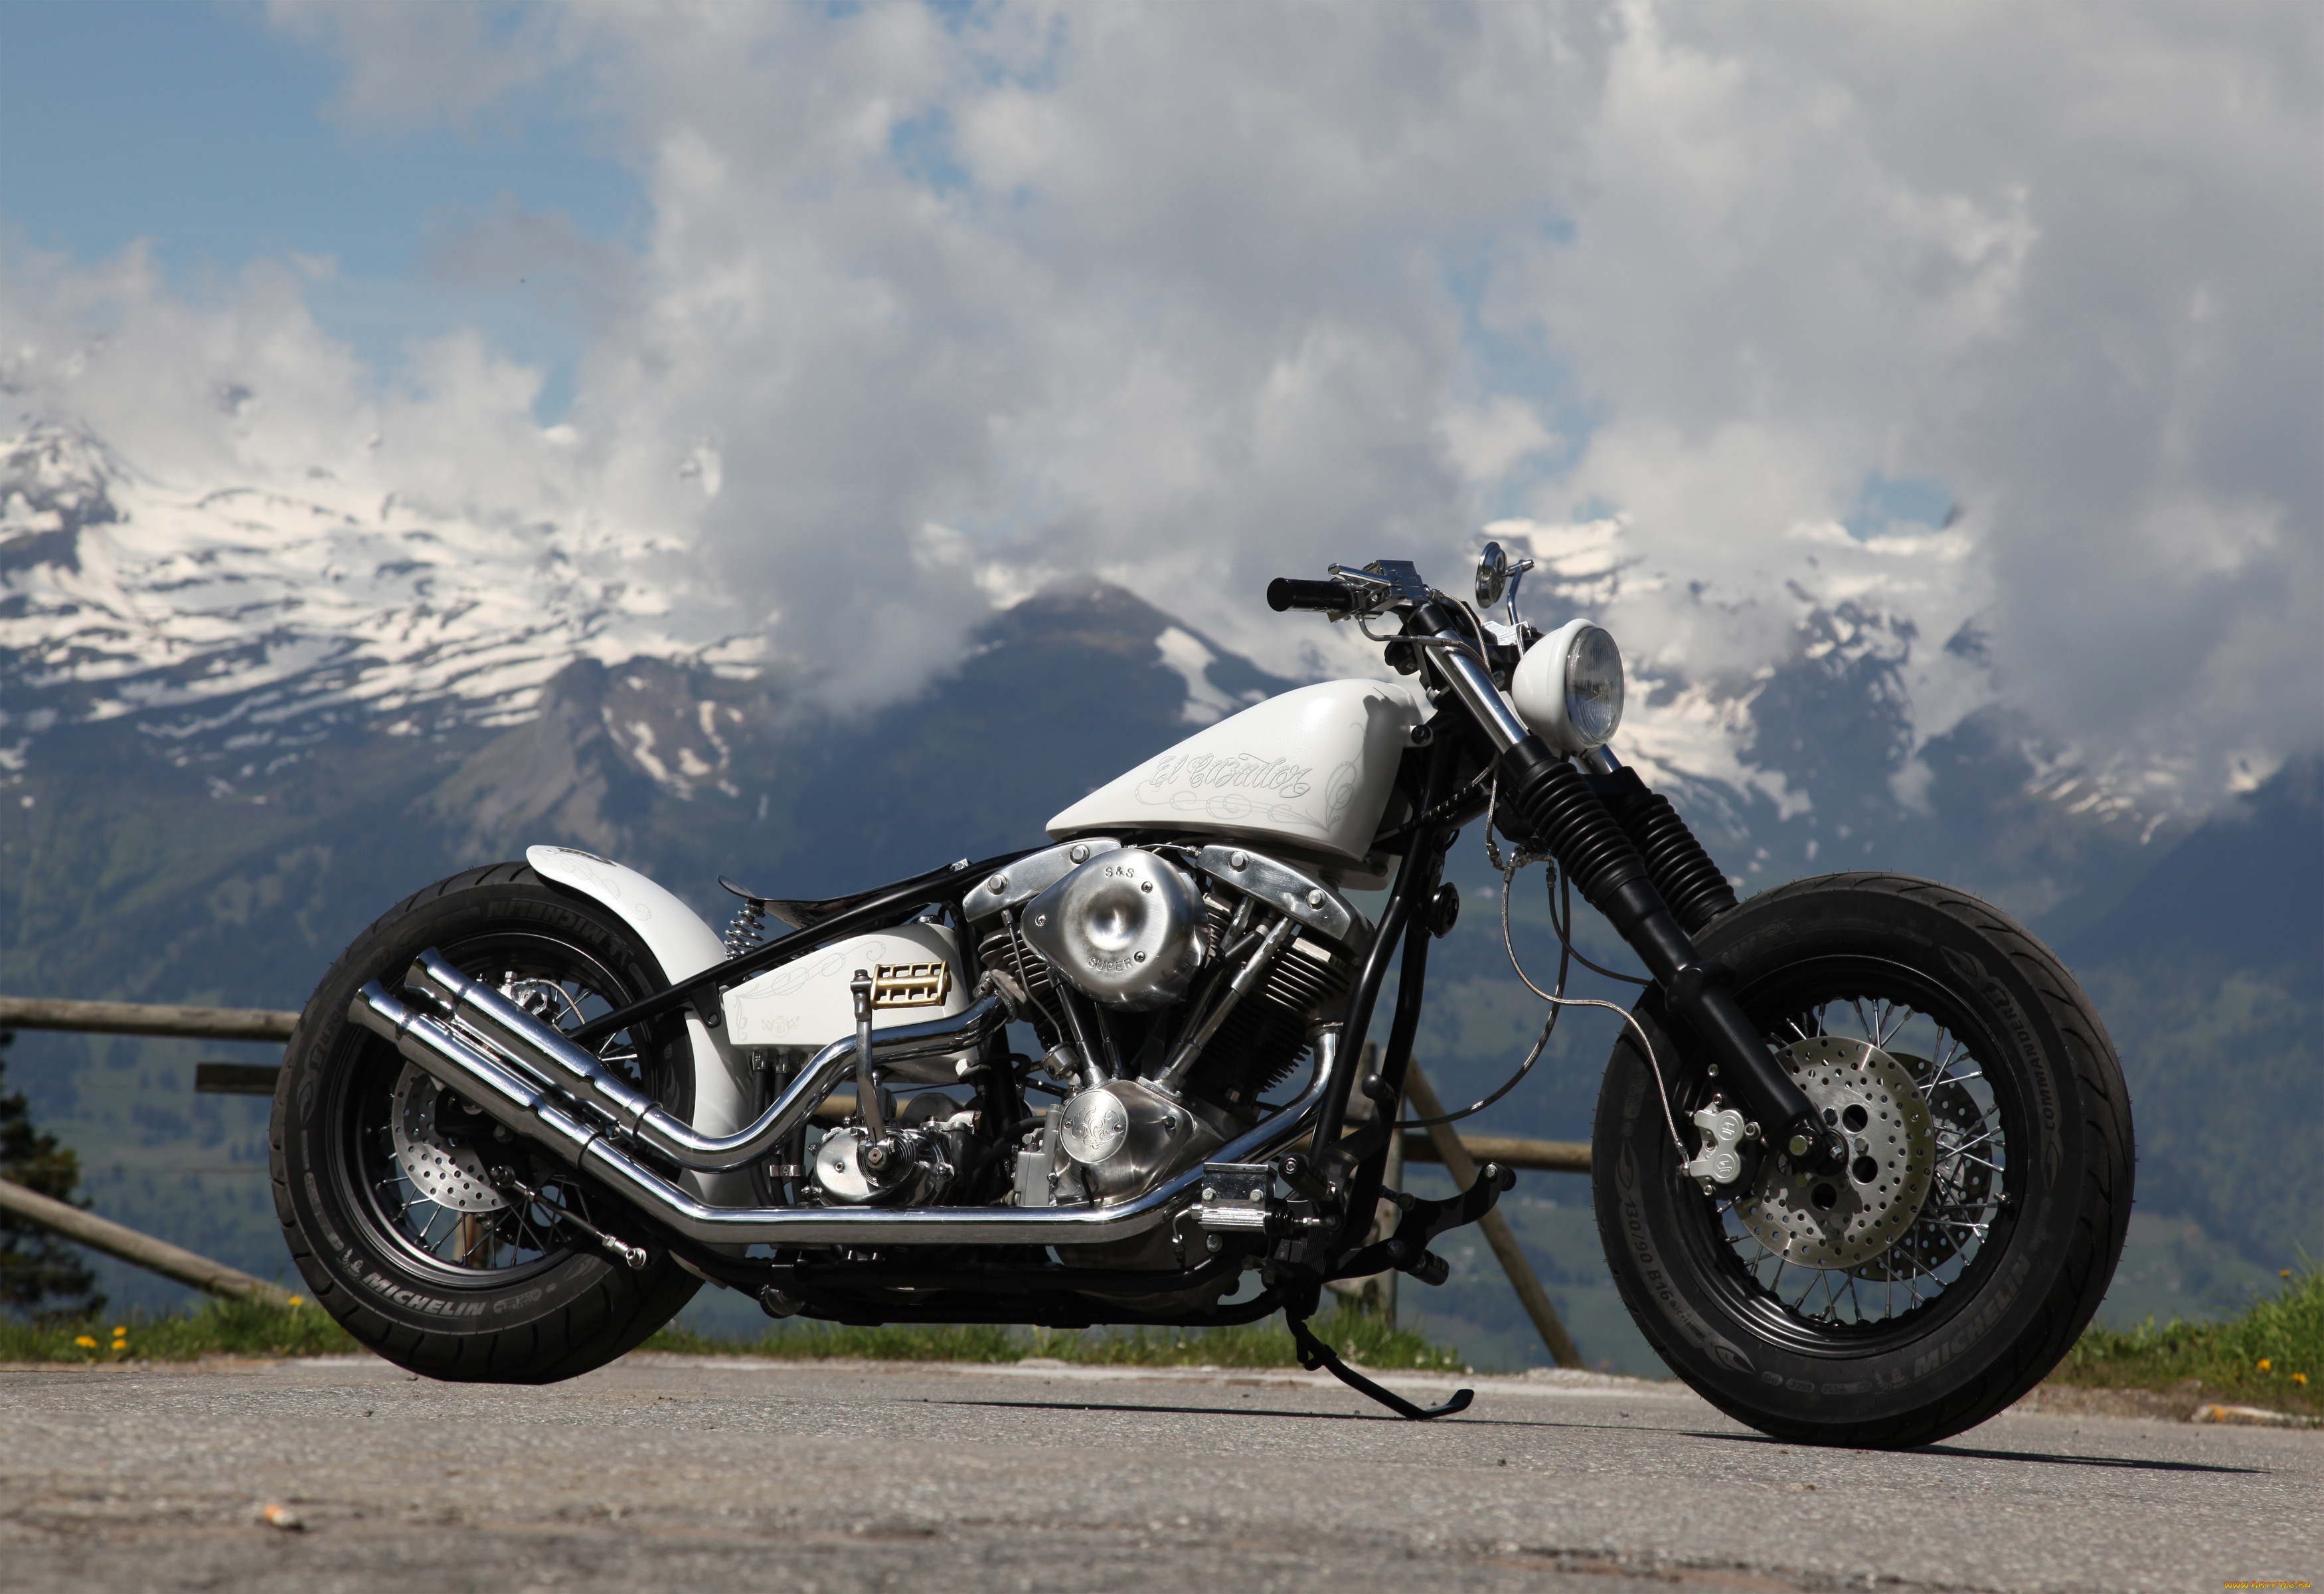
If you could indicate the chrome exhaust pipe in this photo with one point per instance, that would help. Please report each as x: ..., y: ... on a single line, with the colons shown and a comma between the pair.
x: 528, y: 1109
x: 506, y: 1095
x: 538, y: 1049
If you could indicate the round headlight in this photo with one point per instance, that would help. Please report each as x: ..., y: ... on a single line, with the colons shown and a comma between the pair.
x: 1593, y: 686
x: 1568, y: 687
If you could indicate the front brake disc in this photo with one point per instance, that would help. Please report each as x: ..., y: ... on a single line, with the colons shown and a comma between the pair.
x: 1844, y: 1218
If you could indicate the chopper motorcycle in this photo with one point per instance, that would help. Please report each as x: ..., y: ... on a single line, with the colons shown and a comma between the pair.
x: 1862, y: 1159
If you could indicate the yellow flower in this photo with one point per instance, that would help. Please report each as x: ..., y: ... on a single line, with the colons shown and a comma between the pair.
x: 84, y: 1342
x: 2300, y: 1378
x: 298, y: 1300
x: 2265, y: 1364
x: 2283, y: 1273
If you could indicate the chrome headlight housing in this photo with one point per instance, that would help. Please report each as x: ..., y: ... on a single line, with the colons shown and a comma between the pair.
x: 1568, y: 687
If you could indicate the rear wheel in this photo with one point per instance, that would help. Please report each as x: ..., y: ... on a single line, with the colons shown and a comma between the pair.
x: 1950, y: 1265
x: 397, y: 1196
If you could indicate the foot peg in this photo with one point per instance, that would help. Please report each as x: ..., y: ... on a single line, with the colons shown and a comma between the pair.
x: 1406, y: 1249
x: 1239, y: 1198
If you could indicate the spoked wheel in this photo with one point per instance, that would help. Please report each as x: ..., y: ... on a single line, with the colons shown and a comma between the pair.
x: 1972, y: 1235
x: 435, y: 1236
x: 434, y: 1173
x: 1909, y: 1217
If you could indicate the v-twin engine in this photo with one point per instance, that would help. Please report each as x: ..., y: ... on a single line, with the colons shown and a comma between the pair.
x: 1172, y: 986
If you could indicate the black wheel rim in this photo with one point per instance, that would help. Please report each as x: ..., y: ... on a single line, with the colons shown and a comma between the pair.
x: 563, y: 983
x: 1936, y: 1266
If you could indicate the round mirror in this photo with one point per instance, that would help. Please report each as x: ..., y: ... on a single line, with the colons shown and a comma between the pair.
x: 1492, y: 575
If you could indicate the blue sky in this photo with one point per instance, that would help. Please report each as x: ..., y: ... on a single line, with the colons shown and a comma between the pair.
x: 215, y: 140
x: 212, y: 137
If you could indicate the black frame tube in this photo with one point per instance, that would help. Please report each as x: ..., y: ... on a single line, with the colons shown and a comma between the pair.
x: 882, y: 902
x: 1414, y: 879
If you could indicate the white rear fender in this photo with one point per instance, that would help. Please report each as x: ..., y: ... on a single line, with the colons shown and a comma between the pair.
x: 724, y: 1099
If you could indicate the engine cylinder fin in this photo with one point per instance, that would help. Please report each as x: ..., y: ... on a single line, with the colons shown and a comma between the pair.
x: 1263, y: 1039
x: 1000, y: 950
x: 1261, y: 1042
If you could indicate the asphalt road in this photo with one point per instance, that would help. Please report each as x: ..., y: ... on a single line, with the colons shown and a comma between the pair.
x: 669, y: 1474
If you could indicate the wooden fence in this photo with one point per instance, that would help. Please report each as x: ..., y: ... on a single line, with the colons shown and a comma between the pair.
x: 1457, y: 1154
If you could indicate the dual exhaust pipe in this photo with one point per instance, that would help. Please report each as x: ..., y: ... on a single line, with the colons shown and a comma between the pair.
x: 532, y: 1079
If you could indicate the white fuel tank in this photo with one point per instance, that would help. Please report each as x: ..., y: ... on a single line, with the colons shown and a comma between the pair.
x: 1312, y: 768
x: 915, y: 976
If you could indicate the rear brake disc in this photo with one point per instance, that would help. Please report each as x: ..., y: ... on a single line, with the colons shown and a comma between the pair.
x: 445, y: 1173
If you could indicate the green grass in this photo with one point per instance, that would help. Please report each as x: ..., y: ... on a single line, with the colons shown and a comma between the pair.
x: 214, y: 1328
x: 2271, y: 1356
x: 241, y: 1328
x: 1355, y: 1334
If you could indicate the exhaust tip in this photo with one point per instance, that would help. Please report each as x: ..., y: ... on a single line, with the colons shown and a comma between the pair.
x: 432, y: 972
x: 379, y: 1012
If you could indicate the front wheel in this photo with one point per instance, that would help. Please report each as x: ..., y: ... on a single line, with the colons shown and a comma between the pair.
x: 1947, y: 1270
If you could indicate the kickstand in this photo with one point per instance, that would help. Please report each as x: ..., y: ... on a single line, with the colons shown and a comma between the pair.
x: 1313, y: 1354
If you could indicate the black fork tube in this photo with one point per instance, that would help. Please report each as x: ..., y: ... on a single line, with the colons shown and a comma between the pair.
x: 1554, y: 807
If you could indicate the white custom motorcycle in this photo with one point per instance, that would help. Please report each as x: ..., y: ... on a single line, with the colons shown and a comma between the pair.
x: 1862, y: 1156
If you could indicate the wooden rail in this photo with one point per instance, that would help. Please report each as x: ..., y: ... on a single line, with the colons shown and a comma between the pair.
x: 145, y: 1018
x: 259, y: 1024
x: 1457, y: 1154
x: 1540, y: 1156
x: 102, y: 1234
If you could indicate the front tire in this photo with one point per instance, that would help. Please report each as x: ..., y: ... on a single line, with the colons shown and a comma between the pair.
x: 2025, y: 1129
x: 383, y: 1180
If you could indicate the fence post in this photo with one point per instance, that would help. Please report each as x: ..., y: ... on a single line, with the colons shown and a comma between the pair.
x: 1459, y: 1164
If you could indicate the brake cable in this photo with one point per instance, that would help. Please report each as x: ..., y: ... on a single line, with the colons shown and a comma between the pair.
x: 1557, y: 999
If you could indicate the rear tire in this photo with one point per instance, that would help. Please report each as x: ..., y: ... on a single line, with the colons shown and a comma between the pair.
x: 1971, y: 1305
x: 501, y: 1295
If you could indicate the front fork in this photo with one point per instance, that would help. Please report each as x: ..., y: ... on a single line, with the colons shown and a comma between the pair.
x: 1557, y: 810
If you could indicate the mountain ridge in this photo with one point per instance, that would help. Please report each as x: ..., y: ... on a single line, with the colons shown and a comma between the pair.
x: 238, y: 623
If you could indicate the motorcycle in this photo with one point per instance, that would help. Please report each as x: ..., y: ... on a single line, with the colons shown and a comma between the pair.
x: 1862, y: 1159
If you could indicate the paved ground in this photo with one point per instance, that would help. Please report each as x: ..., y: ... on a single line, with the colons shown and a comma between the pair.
x: 667, y: 1474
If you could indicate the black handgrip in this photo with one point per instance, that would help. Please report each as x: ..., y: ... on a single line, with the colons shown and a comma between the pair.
x: 1284, y: 593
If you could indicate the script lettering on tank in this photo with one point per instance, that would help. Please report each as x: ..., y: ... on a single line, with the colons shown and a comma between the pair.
x: 1278, y: 777
x: 1232, y: 788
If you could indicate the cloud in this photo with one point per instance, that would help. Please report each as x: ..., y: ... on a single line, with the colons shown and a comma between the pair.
x: 426, y: 60
x: 1193, y: 295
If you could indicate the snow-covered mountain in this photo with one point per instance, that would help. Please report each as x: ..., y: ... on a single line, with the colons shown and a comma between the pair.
x: 229, y: 629
x: 230, y: 620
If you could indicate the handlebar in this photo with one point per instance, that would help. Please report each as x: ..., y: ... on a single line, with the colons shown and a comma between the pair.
x: 1285, y: 593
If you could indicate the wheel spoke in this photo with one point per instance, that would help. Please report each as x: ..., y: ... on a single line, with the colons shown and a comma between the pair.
x: 1952, y: 1151
x: 1948, y: 1234
x: 1949, y: 1050
x: 523, y: 1228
